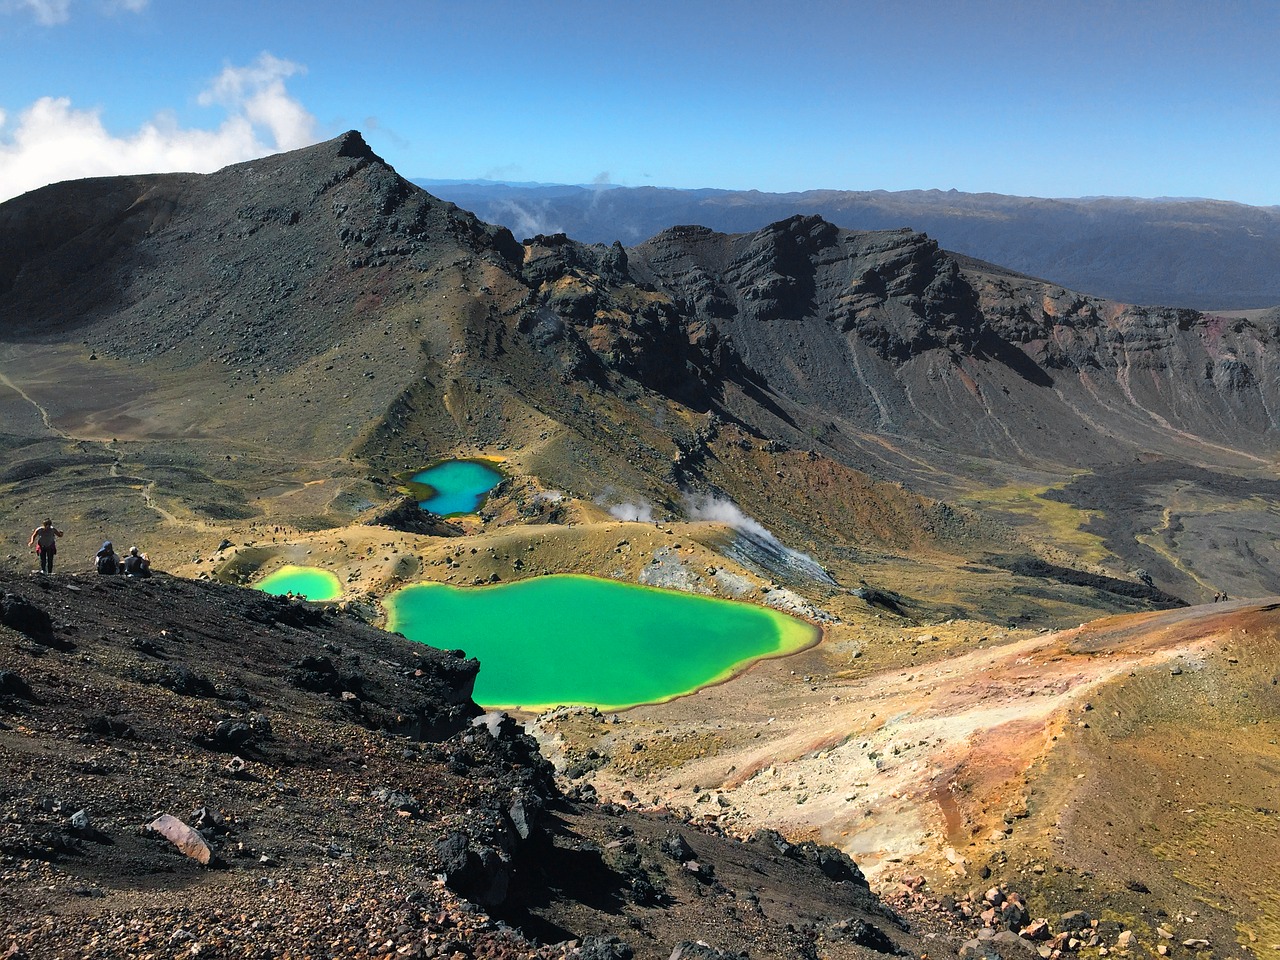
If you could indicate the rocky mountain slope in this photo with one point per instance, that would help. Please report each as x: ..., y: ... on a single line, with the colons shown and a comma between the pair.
x: 1207, y: 254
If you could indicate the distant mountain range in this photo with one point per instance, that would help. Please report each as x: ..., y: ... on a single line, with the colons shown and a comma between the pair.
x: 1206, y: 254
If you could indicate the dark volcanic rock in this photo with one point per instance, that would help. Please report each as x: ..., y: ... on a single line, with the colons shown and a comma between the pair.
x: 24, y: 616
x: 479, y: 873
x: 677, y: 847
x: 1035, y: 567
x: 698, y: 950
x: 185, y: 682
x: 14, y: 687
x: 318, y: 674
x: 405, y: 514
x: 864, y: 934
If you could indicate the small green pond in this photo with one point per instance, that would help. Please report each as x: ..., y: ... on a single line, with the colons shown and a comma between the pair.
x: 309, y: 582
x: 583, y: 640
x: 455, y: 486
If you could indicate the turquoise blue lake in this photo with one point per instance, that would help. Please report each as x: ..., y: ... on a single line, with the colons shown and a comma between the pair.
x: 456, y: 486
x: 583, y: 640
x: 311, y: 583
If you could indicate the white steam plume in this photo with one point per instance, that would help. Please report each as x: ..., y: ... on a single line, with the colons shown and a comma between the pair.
x: 707, y: 507
x: 768, y: 550
x: 640, y: 512
x: 523, y: 220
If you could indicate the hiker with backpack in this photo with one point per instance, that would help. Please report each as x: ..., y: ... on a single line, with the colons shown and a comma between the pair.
x: 106, y: 561
x: 45, y: 541
x: 137, y: 564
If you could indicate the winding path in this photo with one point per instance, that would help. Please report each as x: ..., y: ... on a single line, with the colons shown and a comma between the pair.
x: 147, y: 488
x: 44, y: 414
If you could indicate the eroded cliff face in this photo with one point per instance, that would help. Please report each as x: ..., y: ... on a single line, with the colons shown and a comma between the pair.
x: 886, y: 332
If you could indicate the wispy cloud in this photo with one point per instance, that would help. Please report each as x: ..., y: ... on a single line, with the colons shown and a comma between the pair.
x: 48, y: 12
x: 257, y: 93
x: 52, y: 13
x: 52, y: 140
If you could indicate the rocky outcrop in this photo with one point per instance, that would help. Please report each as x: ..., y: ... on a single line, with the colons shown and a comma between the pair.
x: 407, y: 515
x: 19, y: 613
x: 586, y: 308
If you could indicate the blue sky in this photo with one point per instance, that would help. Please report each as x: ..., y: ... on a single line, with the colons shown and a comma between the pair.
x: 1047, y: 99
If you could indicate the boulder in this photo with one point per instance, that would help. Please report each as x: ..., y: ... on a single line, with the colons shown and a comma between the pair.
x: 603, y: 948
x: 700, y: 950
x: 1036, y: 930
x: 976, y: 949
x: 864, y: 934
x: 183, y: 837
x: 1007, y: 940
x: 231, y: 734
x: 1014, y: 913
x: 1073, y: 921
x: 401, y: 803
x: 22, y: 615
x: 677, y: 848
x: 14, y: 687
x: 185, y: 682
x: 479, y: 873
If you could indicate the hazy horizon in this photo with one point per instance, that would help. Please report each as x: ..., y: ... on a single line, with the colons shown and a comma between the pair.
x: 1166, y: 99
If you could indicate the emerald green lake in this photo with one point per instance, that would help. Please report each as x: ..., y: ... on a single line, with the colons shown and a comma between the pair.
x: 456, y: 486
x: 582, y: 640
x: 309, y: 582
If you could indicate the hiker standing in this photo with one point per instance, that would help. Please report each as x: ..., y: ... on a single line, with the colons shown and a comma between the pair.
x: 45, y: 540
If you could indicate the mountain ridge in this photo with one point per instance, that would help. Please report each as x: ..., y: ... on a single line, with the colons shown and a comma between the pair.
x: 1206, y: 254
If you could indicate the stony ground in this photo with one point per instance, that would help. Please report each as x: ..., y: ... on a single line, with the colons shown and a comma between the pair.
x: 1119, y: 767
x: 349, y: 801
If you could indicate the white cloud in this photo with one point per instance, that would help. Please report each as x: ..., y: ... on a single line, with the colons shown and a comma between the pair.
x: 52, y: 140
x: 48, y: 12
x: 52, y: 13
x: 258, y: 93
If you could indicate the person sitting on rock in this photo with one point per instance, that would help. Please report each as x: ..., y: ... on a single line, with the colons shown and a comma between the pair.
x: 137, y: 564
x: 106, y: 560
